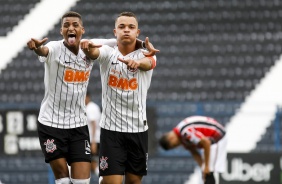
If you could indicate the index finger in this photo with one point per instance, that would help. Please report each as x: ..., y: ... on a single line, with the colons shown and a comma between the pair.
x: 122, y: 60
x: 151, y: 53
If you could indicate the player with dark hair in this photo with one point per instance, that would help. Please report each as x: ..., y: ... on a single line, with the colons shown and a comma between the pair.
x: 126, y: 76
x: 196, y: 133
x: 62, y: 128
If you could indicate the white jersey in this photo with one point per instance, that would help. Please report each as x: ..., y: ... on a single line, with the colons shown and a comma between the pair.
x: 66, y: 80
x: 93, y: 114
x: 124, y: 92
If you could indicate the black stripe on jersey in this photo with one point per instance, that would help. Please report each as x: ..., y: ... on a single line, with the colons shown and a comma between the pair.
x: 135, y: 57
x: 55, y: 93
x: 60, y: 97
x: 140, y: 104
x: 116, y: 104
x: 107, y: 74
x: 127, y: 108
x: 72, y: 100
x: 67, y: 85
x: 79, y: 97
x: 121, y: 122
x: 206, y: 124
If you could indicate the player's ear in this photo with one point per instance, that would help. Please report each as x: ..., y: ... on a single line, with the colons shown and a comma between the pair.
x: 138, y: 32
x: 61, y: 31
x: 115, y: 32
x: 82, y: 30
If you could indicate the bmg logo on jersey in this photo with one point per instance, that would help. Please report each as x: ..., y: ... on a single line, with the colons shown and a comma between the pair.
x: 122, y: 83
x: 76, y: 76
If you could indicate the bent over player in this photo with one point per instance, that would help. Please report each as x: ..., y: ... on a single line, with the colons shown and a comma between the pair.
x: 200, y: 133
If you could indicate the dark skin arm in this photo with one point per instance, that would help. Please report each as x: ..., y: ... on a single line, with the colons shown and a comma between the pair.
x: 36, y: 46
x: 206, y: 145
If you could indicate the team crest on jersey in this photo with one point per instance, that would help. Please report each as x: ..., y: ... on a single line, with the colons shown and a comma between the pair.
x: 86, y: 61
x: 50, y: 146
x: 103, y: 163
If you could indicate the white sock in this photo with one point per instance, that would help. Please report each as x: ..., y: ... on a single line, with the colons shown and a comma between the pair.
x: 80, y: 181
x: 63, y: 181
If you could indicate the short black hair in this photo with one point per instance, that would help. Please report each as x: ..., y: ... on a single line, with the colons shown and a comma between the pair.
x: 164, y: 143
x: 71, y: 14
x: 127, y: 14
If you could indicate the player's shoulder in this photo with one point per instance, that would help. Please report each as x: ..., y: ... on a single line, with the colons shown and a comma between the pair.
x: 55, y: 44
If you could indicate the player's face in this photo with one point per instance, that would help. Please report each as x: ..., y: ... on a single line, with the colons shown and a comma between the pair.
x: 126, y: 29
x: 72, y: 31
x: 173, y: 140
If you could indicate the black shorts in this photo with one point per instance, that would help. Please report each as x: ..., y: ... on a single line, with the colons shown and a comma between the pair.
x: 123, y: 152
x: 72, y: 144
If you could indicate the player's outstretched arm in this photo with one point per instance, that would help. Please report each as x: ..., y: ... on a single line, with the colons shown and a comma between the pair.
x: 101, y: 41
x: 37, y: 46
x: 90, y: 49
x: 145, y: 64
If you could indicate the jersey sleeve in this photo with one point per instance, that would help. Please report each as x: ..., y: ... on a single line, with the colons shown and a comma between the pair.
x: 52, y: 46
x: 104, y: 55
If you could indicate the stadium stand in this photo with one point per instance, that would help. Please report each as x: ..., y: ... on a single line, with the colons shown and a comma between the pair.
x: 12, y: 11
x: 213, y: 54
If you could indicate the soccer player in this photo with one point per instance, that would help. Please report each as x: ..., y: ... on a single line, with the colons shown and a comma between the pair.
x: 200, y: 133
x: 62, y: 128
x: 126, y: 76
x: 93, y: 113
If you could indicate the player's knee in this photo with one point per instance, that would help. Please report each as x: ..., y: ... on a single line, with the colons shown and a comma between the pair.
x: 80, y: 181
x: 63, y: 181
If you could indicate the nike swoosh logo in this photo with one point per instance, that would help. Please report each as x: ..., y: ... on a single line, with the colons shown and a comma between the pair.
x: 87, y: 153
x: 67, y: 61
x: 114, y: 63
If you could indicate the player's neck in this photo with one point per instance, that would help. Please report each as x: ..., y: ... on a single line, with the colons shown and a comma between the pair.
x: 126, y: 48
x: 72, y: 49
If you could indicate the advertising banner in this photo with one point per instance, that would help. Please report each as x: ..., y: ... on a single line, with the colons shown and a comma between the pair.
x: 18, y: 132
x: 252, y: 168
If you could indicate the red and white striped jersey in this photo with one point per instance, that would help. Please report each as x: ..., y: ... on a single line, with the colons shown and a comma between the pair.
x: 66, y: 80
x: 124, y: 92
x: 192, y: 129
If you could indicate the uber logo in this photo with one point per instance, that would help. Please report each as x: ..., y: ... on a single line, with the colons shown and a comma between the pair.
x: 252, y: 168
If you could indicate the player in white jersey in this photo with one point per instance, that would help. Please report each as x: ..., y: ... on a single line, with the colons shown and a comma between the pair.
x: 62, y: 128
x: 93, y: 113
x: 126, y: 76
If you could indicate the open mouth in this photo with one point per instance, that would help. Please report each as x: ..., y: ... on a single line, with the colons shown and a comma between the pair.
x: 71, y: 38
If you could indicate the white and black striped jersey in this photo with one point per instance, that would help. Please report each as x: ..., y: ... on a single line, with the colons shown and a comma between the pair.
x: 124, y: 92
x: 66, y: 80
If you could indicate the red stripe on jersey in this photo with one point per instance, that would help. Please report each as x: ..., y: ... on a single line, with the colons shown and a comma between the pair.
x: 201, y: 127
